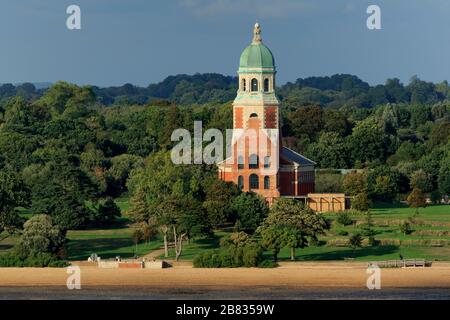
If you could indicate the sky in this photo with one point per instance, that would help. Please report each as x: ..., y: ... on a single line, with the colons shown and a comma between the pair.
x: 144, y: 41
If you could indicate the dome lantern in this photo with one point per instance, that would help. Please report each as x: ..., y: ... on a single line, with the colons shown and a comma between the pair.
x: 257, y: 55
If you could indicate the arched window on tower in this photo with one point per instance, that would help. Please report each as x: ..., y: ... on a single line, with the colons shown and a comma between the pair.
x: 266, y: 162
x: 266, y: 85
x: 240, y: 162
x: 240, y: 182
x: 254, y: 85
x: 254, y: 182
x: 253, y: 162
x: 244, y: 85
x: 266, y: 182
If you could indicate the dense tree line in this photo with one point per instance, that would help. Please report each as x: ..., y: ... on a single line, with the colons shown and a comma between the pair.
x: 340, y: 90
x: 66, y: 151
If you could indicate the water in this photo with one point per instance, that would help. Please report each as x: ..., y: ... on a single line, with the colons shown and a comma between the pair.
x: 256, y: 293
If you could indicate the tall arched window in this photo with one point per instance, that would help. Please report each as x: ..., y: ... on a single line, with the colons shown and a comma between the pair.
x: 240, y: 182
x: 244, y: 85
x: 254, y: 85
x: 254, y: 182
x: 253, y: 162
x: 266, y: 85
x: 241, y: 162
x: 266, y: 162
x: 266, y: 182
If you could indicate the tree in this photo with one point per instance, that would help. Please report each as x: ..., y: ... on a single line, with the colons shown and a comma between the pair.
x: 405, y: 228
x: 121, y: 167
x: 435, y: 197
x: 444, y: 176
x: 355, y: 241
x: 368, y: 142
x: 335, y: 121
x: 295, y: 225
x: 40, y: 235
x: 66, y: 209
x: 330, y: 151
x: 62, y: 190
x: 137, y: 238
x: 149, y: 232
x: 421, y: 180
x: 416, y: 199
x: 219, y: 195
x: 273, y: 238
x: 105, y: 211
x: 63, y: 97
x: 12, y: 194
x: 385, y: 183
x: 172, y: 196
x: 307, y: 121
x: 384, y: 188
x: 361, y: 202
x: 250, y: 210
x: 355, y: 184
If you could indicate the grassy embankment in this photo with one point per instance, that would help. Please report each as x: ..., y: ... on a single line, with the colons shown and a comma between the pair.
x: 429, y: 239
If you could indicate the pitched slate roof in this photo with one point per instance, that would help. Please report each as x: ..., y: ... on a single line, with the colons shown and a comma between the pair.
x: 293, y: 156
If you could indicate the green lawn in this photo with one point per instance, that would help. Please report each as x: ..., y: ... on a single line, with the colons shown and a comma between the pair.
x: 393, y: 214
x: 323, y: 253
x: 398, y: 211
x: 123, y: 202
x: 116, y: 240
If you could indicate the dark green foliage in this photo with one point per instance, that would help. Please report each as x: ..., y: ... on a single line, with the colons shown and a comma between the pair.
x: 65, y: 150
x: 237, y: 250
x: 405, y: 228
x: 444, y: 176
x: 40, y: 235
x: 355, y: 241
x: 106, y: 211
x: 12, y: 260
x: 250, y: 210
x: 266, y: 264
x: 344, y: 219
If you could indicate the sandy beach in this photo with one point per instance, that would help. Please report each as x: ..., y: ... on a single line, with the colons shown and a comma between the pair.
x: 289, y: 280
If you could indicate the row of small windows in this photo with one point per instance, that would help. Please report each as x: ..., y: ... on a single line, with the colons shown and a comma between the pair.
x: 254, y: 85
x: 254, y: 182
x: 253, y: 162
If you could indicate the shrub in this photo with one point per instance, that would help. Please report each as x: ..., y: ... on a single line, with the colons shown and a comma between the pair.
x: 372, y: 241
x: 435, y: 197
x: 226, y: 260
x: 405, y: 228
x: 232, y: 257
x: 367, y: 231
x: 39, y: 260
x: 252, y: 256
x: 342, y: 233
x: 416, y: 199
x: 355, y: 241
x: 267, y: 264
x: 344, y: 219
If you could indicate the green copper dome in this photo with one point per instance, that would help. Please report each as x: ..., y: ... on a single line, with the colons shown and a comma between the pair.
x: 257, y: 55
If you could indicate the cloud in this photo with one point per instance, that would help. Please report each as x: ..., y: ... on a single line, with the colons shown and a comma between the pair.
x: 258, y: 8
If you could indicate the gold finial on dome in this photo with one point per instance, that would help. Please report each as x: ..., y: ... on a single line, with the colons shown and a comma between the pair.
x: 257, y: 34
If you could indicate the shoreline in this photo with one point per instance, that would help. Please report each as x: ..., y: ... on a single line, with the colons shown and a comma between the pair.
x: 290, y: 281
x: 290, y: 275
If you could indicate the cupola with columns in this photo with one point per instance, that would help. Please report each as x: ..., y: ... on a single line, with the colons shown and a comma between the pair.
x: 256, y: 94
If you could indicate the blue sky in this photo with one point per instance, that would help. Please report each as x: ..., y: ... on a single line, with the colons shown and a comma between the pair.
x: 143, y: 41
